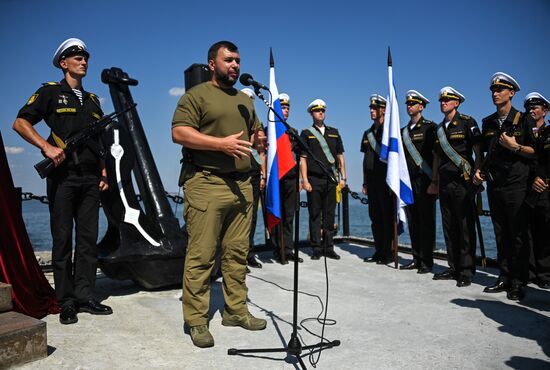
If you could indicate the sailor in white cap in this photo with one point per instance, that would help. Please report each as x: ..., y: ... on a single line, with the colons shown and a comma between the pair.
x: 458, y: 138
x: 536, y: 105
x: 508, y: 139
x: 69, y: 48
x: 377, y: 100
x: 248, y: 91
x: 326, y: 145
x: 535, y: 98
x: 448, y: 93
x: 503, y: 80
x: 285, y: 104
x: 318, y: 105
x: 374, y: 184
x: 418, y: 140
x: 67, y: 109
x: 289, y: 188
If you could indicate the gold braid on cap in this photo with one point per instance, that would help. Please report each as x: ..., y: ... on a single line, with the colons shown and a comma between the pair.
x: 412, y: 98
x: 317, y: 107
x: 504, y: 83
x: 447, y: 94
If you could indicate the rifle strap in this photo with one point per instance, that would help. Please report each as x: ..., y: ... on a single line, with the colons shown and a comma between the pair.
x: 516, y: 118
x: 58, y: 141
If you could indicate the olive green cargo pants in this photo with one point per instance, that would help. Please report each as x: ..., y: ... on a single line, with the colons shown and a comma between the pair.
x: 216, y: 208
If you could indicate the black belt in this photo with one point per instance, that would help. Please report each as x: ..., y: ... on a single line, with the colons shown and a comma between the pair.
x: 226, y: 175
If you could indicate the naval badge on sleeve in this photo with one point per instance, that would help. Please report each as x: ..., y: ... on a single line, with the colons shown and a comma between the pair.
x: 32, y: 99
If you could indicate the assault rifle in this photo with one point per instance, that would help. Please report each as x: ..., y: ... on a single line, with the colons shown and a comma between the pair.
x: 473, y: 189
x: 46, y: 166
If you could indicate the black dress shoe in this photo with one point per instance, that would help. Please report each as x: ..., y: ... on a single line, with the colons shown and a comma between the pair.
x: 316, y: 255
x: 424, y: 270
x: 332, y: 254
x: 544, y: 284
x: 463, y: 281
x: 445, y: 275
x: 95, y: 308
x: 253, y: 263
x: 409, y: 266
x: 292, y: 257
x: 370, y: 259
x: 497, y: 287
x: 384, y: 261
x: 516, y: 292
x: 68, y: 315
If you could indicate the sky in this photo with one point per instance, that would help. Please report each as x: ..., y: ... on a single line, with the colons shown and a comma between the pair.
x: 336, y: 51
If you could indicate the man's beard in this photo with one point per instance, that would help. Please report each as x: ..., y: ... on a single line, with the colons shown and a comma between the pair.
x: 225, y: 79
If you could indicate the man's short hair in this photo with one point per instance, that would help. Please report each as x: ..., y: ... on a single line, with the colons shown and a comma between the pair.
x: 213, y: 51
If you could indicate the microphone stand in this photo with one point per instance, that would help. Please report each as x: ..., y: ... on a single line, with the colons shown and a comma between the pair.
x: 294, y: 346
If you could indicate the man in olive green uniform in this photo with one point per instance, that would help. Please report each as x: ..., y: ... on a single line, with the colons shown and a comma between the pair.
x: 217, y: 123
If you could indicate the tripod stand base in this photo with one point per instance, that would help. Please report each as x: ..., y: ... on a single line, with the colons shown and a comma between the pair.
x: 294, y: 348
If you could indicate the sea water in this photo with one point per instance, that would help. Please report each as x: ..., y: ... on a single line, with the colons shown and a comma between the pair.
x: 37, y: 221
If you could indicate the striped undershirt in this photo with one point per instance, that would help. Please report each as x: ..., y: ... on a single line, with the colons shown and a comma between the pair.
x: 79, y: 94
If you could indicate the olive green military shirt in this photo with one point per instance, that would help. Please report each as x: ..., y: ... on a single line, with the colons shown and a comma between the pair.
x: 217, y: 112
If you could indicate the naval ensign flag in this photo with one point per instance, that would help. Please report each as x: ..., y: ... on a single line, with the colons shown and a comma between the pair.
x: 392, y: 152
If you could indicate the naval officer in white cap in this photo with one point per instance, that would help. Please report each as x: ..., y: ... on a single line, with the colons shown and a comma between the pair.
x: 326, y: 144
x: 374, y: 184
x: 418, y: 140
x: 458, y: 137
x: 536, y: 105
x: 509, y: 141
x: 73, y: 187
x: 283, y: 245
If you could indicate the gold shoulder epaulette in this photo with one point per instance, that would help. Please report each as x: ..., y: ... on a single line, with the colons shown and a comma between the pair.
x: 51, y: 84
x: 465, y: 116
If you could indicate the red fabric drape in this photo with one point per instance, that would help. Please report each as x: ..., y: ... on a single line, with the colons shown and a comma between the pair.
x: 32, y: 294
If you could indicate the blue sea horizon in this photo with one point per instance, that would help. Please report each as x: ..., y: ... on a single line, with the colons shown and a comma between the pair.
x: 37, y: 221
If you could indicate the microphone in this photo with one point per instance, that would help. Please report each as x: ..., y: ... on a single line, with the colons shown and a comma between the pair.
x: 247, y: 80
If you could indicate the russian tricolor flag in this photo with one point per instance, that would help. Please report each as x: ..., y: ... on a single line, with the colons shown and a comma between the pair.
x: 280, y: 159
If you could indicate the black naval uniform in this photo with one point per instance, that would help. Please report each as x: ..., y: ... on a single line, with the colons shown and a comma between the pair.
x: 506, y: 190
x: 288, y: 192
x: 421, y: 214
x: 457, y: 210
x: 73, y: 190
x: 381, y: 207
x: 540, y: 214
x: 322, y: 199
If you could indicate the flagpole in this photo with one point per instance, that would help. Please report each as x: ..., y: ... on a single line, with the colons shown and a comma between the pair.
x: 294, y: 346
x: 394, y: 197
